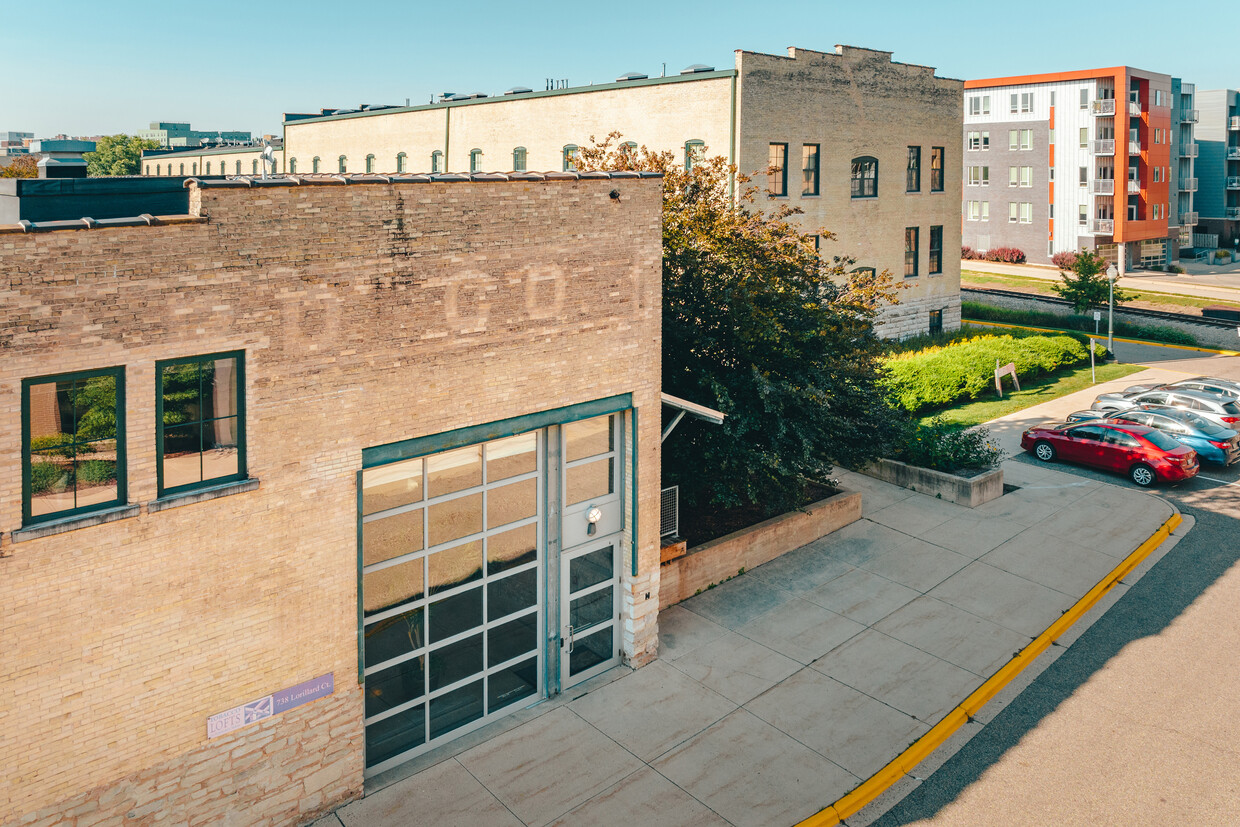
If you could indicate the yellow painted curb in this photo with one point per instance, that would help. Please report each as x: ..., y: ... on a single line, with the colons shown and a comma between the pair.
x: 919, y: 750
x: 1099, y: 337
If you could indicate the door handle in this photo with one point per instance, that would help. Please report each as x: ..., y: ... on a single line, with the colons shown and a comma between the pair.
x: 569, y: 638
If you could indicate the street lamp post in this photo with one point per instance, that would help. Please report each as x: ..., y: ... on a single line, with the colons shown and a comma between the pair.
x: 1112, y: 275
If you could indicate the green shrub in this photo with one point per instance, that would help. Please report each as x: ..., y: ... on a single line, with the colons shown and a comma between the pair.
x: 938, y: 376
x: 44, y: 476
x: 95, y: 472
x: 942, y: 447
x: 1004, y: 315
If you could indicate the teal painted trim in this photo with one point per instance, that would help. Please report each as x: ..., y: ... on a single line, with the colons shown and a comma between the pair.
x: 732, y: 126
x: 447, y: 136
x: 576, y: 90
x: 239, y: 357
x: 422, y: 446
x: 636, y: 545
x: 361, y: 617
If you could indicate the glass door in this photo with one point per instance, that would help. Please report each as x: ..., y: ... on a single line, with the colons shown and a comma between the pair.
x: 589, y: 609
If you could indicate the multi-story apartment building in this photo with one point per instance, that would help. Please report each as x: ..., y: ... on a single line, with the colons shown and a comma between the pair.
x: 1218, y: 199
x: 1182, y: 218
x: 180, y: 134
x: 865, y: 147
x: 1075, y: 160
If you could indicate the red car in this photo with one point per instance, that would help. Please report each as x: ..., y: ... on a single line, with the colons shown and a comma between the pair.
x: 1145, y: 454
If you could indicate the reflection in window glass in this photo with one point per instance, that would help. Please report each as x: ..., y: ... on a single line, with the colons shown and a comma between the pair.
x: 455, y: 518
x: 200, y: 433
x: 455, y: 662
x: 588, y: 438
x: 394, y: 636
x: 389, y: 587
x: 454, y: 470
x: 591, y: 569
x: 390, y: 737
x: 512, y: 684
x: 389, y: 486
x: 512, y: 639
x: 456, y: 709
x: 391, y: 537
x: 455, y: 567
x: 512, y: 594
x: 453, y: 615
x: 395, y: 685
x: 591, y: 610
x: 512, y: 456
x: 513, y: 502
x: 584, y: 482
x: 591, y: 651
x: 511, y: 548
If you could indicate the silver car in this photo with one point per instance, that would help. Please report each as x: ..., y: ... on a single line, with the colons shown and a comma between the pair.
x: 1221, y: 410
x: 1205, y: 384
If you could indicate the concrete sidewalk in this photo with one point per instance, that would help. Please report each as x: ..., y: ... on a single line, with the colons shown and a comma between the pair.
x: 781, y: 690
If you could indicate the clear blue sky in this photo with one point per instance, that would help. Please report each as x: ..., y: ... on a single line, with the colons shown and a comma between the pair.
x: 231, y: 65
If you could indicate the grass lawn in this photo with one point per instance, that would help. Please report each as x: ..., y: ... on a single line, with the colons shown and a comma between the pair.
x: 1033, y: 392
x: 1173, y: 302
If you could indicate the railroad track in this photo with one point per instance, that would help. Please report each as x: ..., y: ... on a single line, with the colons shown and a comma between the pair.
x: 1183, y: 318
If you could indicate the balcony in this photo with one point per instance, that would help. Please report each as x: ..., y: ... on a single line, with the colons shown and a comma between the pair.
x: 1231, y: 212
x: 1188, y: 219
x: 1188, y: 150
x: 1188, y: 185
x: 1134, y: 148
x: 1233, y: 183
x: 1134, y: 109
x: 1102, y: 186
x: 1188, y: 116
x: 1104, y: 147
x: 1233, y: 153
x: 1103, y: 108
x: 1233, y: 123
x: 1134, y: 187
x: 1102, y: 226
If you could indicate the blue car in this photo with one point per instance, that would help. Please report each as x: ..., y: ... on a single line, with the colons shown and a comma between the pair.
x: 1213, y: 443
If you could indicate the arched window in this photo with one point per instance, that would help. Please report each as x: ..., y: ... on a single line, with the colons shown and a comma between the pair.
x: 208, y: 167
x: 570, y: 158
x: 695, y: 151
x: 475, y: 160
x: 400, y: 162
x: 195, y: 168
x: 343, y: 163
x: 181, y: 169
x: 370, y: 163
x: 292, y: 166
x: 865, y: 177
x: 437, y: 161
x: 254, y: 167
x: 314, y: 164
x: 238, y: 167
x: 518, y: 159
x: 158, y: 170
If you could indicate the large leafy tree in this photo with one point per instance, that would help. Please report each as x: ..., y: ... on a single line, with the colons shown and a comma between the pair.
x: 1085, y: 283
x: 117, y: 155
x: 23, y: 166
x: 758, y: 325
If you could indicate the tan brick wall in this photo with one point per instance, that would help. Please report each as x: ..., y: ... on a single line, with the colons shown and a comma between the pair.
x: 369, y: 314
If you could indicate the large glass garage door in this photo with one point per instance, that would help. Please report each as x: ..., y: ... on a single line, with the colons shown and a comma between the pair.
x: 452, y: 574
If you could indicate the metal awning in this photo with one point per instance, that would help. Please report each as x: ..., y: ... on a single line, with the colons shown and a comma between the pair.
x: 684, y: 406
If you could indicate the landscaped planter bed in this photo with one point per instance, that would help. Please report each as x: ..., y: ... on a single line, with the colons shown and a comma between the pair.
x: 969, y: 491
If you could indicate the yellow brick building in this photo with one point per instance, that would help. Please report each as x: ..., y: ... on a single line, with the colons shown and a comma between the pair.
x: 223, y: 160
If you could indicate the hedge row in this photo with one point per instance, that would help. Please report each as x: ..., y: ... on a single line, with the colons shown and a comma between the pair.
x: 938, y: 376
x: 1005, y: 315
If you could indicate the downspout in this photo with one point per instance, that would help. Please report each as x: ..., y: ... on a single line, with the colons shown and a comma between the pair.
x: 634, y: 495
x: 732, y: 137
x: 447, y: 135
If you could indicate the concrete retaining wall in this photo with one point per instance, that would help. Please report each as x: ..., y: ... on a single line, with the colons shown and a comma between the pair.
x: 719, y: 559
x: 968, y: 491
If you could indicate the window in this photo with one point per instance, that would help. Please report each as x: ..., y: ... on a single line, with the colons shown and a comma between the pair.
x: 1013, y: 176
x: 1013, y: 212
x: 195, y: 168
x: 1084, y: 142
x: 370, y: 163
x: 975, y: 141
x: 437, y: 161
x: 1158, y: 176
x: 181, y: 169
x: 1084, y: 176
x: 936, y: 322
x: 1013, y: 139
x: 865, y: 177
x: 1052, y: 97
x: 208, y: 167
x: 200, y: 416
x: 254, y: 167
x: 570, y: 158
x: 238, y: 167
x: 1051, y: 135
x: 343, y: 164
x: 1084, y: 98
x: 912, y: 175
x: 973, y: 210
x: 809, y: 169
x: 1026, y: 212
x: 73, y: 444
x: 1026, y: 176
x: 1026, y: 139
x: 986, y: 211
x: 1159, y: 98
x: 1013, y: 103
x: 475, y: 160
x: 400, y: 161
x: 1026, y: 101
x: 979, y: 105
x: 936, y: 251
x: 777, y: 170
x: 936, y: 167
x: 314, y: 164
x: 694, y: 152
x: 518, y: 159
x: 629, y: 148
x: 979, y: 176
x: 910, y: 251
x: 292, y: 166
x: 159, y: 169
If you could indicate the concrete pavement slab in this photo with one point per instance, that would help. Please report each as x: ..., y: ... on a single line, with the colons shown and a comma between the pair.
x: 899, y: 675
x: 447, y: 789
x: 916, y: 514
x: 736, y: 667
x: 875, y: 494
x: 862, y: 596
x: 682, y: 631
x: 1061, y: 565
x: 860, y: 732
x: 972, y: 536
x: 751, y: 773
x: 652, y: 710
x: 544, y: 768
x: 644, y: 798
x: 803, y: 569
x: 1003, y: 598
x: 864, y: 540
x: 738, y: 601
x: 917, y: 564
x: 954, y: 635
x: 801, y: 630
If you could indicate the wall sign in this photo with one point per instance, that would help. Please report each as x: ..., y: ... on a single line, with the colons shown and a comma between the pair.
x: 273, y: 704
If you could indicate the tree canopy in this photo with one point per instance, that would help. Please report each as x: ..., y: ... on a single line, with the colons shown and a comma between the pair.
x: 117, y: 155
x: 1085, y: 283
x: 23, y: 166
x: 758, y: 325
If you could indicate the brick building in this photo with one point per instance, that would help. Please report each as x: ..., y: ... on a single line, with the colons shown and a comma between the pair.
x: 315, y: 478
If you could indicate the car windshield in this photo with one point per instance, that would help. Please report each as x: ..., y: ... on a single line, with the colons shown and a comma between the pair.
x: 1161, y: 440
x: 1232, y: 408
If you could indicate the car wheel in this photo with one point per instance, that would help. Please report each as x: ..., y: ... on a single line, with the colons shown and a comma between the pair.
x: 1142, y: 475
x: 1044, y: 451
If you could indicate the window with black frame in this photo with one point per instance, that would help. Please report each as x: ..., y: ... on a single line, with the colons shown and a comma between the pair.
x: 910, y: 251
x: 936, y: 322
x: 73, y: 444
x: 777, y: 170
x: 809, y: 169
x: 865, y: 177
x: 912, y: 182
x: 200, y: 416
x: 936, y: 169
x: 936, y: 251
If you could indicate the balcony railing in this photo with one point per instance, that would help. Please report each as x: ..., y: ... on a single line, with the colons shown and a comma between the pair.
x: 1188, y: 150
x: 1233, y: 152
x: 1104, y: 147
x: 1188, y: 116
x: 1134, y: 187
x: 1134, y: 109
x: 1231, y: 212
x: 1134, y: 148
x: 1188, y: 219
x: 1103, y: 108
x: 1233, y: 183
x: 1188, y: 185
x: 1103, y: 226
x: 1233, y: 123
x: 1102, y: 186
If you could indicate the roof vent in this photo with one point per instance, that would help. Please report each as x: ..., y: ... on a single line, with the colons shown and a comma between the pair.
x: 342, y: 111
x: 478, y: 95
x: 695, y: 68
x: 631, y: 76
x: 519, y: 90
